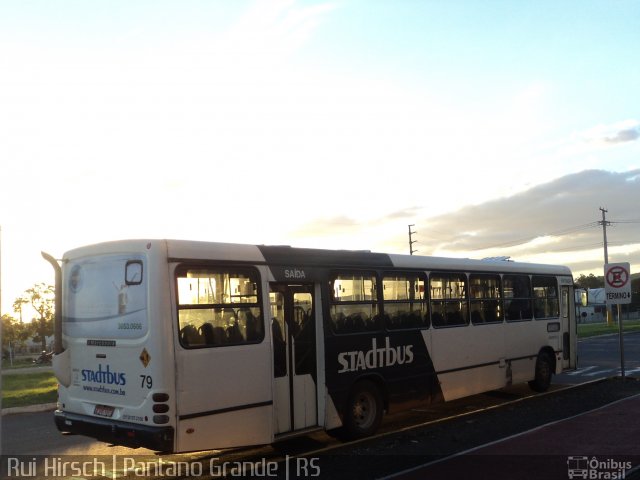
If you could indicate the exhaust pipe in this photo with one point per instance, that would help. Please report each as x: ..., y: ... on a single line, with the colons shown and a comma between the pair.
x: 57, y: 317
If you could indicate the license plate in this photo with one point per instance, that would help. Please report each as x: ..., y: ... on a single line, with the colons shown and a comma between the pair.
x: 103, y: 411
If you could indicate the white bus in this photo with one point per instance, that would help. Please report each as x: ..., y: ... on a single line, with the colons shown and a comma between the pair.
x: 180, y: 346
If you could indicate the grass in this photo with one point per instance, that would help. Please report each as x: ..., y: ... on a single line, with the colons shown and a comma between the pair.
x: 21, y: 390
x: 593, y: 329
x: 18, y: 362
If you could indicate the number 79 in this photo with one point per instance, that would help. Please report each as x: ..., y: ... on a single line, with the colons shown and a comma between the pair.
x: 146, y: 381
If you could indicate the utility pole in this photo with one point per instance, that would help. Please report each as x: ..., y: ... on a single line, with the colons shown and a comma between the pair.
x: 411, y: 241
x: 604, y: 224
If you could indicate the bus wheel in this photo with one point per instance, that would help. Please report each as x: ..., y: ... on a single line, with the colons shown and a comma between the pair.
x: 364, y: 412
x: 544, y: 371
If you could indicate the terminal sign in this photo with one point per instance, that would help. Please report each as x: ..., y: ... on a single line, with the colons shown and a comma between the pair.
x: 617, y: 283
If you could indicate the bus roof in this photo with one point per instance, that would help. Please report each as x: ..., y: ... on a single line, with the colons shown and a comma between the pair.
x: 178, y: 250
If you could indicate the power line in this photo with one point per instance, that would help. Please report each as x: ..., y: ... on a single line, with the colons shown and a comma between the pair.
x: 586, y: 246
x: 564, y: 231
x: 624, y: 221
x: 622, y: 242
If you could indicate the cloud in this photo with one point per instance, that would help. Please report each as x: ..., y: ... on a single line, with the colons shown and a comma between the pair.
x: 555, y: 222
x: 328, y: 226
x: 270, y: 31
x: 628, y: 135
x: 571, y: 200
x: 405, y: 213
x: 558, y: 219
x: 614, y: 134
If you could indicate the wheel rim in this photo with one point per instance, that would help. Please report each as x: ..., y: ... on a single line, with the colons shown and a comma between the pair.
x: 364, y: 410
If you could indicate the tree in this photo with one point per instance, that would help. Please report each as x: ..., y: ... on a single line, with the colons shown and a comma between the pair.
x: 14, y: 333
x: 17, y: 305
x: 590, y: 281
x: 41, y: 297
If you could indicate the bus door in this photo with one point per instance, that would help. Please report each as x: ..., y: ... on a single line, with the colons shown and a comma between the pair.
x: 223, y: 372
x: 569, y: 343
x: 294, y: 356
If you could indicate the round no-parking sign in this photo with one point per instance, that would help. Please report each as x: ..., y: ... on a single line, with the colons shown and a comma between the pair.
x: 617, y: 283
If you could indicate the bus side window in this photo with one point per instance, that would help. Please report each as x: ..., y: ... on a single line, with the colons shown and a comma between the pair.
x: 221, y: 304
x: 485, y: 299
x: 545, y: 292
x: 403, y: 302
x: 354, y: 303
x: 449, y: 305
x: 517, y: 297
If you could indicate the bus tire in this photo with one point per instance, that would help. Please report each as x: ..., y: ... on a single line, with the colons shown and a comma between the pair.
x: 364, y: 410
x: 543, y: 373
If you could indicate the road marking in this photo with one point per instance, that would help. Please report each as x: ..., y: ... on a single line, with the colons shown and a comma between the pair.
x: 601, y: 372
x: 580, y: 371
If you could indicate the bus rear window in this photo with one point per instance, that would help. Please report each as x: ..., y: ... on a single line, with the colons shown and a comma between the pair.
x: 218, y: 307
x: 105, y: 297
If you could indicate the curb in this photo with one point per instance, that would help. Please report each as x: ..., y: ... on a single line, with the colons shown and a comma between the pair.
x: 45, y: 407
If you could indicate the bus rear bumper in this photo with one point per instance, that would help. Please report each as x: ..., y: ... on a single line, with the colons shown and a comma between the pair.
x: 118, y: 433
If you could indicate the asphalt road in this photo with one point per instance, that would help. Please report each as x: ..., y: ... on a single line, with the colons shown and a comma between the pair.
x: 36, y: 434
x: 599, y: 357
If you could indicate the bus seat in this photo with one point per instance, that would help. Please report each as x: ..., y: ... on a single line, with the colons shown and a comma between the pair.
x: 415, y: 319
x: 358, y: 321
x: 212, y: 336
x: 219, y: 336
x: 490, y: 314
x: 279, y: 350
x: 349, y: 324
x: 190, y: 336
x: 206, y: 330
x: 374, y: 323
x: 234, y: 335
x: 476, y: 316
x: 251, y: 326
x: 454, y: 318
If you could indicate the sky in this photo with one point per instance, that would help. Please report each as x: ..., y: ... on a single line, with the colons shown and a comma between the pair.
x: 497, y: 128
